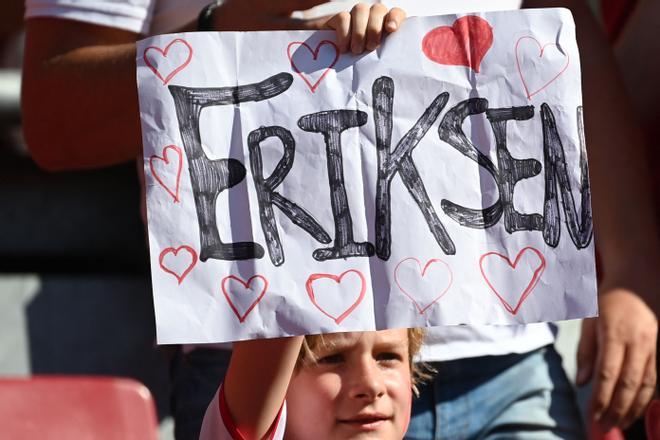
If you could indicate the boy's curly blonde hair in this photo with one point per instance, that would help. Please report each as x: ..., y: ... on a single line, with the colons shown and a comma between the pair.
x: 418, y: 371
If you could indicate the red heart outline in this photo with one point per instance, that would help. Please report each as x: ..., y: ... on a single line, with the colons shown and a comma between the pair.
x: 175, y: 193
x: 532, y: 283
x: 164, y: 54
x: 315, y: 54
x: 336, y: 279
x: 166, y: 251
x: 423, y: 272
x: 522, y: 77
x: 465, y: 43
x: 241, y: 318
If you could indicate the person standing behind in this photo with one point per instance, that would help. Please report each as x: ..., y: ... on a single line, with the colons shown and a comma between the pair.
x: 478, y: 391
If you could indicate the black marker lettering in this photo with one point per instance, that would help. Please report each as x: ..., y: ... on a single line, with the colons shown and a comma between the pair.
x: 556, y: 175
x: 451, y: 131
x: 511, y: 170
x: 331, y: 124
x: 267, y: 197
x: 210, y: 177
x: 400, y: 161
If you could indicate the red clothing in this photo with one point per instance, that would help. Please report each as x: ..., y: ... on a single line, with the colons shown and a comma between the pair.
x: 219, y: 425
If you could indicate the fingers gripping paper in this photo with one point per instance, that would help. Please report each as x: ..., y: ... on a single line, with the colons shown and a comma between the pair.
x: 440, y: 180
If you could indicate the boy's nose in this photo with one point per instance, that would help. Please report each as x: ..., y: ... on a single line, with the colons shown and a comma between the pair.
x: 367, y: 382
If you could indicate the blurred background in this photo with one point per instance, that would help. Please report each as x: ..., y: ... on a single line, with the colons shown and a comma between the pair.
x: 75, y: 294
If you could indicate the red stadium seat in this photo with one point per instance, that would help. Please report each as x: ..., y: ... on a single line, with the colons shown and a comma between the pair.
x: 76, y: 408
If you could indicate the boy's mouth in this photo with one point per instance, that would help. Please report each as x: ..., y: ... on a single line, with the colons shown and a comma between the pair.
x: 366, y: 421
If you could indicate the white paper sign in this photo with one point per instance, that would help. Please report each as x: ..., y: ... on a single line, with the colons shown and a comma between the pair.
x: 439, y: 180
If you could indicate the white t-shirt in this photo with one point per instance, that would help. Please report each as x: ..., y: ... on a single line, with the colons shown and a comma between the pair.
x: 460, y: 342
x: 218, y: 424
x: 149, y: 17
x: 146, y: 17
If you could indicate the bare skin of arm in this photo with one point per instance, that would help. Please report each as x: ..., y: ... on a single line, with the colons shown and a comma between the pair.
x: 79, y: 97
x: 618, y: 349
x: 256, y: 382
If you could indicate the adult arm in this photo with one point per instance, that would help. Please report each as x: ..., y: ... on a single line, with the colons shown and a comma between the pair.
x: 79, y: 97
x: 617, y: 349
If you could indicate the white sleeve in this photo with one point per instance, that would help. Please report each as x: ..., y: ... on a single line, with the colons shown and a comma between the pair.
x: 218, y: 424
x: 130, y: 15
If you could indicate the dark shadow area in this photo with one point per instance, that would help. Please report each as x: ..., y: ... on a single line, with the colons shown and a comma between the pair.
x: 86, y: 221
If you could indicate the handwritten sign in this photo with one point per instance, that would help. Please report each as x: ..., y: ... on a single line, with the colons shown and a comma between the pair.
x: 440, y: 180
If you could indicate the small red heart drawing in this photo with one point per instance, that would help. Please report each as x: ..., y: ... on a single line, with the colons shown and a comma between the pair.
x: 423, y: 272
x: 161, y: 59
x: 193, y: 260
x: 315, y: 54
x: 246, y: 287
x: 538, y: 271
x: 465, y: 43
x: 531, y: 90
x: 337, y: 279
x: 155, y: 160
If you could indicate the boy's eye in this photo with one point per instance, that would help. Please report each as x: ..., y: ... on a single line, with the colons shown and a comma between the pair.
x: 331, y: 359
x: 388, y: 356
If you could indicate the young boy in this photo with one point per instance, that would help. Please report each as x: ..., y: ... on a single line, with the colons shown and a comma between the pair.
x: 339, y: 386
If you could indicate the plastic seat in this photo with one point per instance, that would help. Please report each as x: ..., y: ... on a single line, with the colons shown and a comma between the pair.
x: 76, y: 408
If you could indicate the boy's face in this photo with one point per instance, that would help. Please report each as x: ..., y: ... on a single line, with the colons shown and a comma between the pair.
x: 360, y: 388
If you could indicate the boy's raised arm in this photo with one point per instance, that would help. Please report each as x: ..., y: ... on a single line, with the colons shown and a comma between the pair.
x: 256, y: 382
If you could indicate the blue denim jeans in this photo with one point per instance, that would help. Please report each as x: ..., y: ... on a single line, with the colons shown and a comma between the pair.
x: 516, y: 396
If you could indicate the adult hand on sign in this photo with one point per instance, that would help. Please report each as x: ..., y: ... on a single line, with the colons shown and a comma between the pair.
x: 265, y: 15
x: 618, y: 349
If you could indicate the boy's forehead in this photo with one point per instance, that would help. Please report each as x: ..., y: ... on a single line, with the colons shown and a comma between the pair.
x: 391, y: 336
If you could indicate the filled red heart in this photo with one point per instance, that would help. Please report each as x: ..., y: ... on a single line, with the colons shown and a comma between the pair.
x: 464, y: 43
